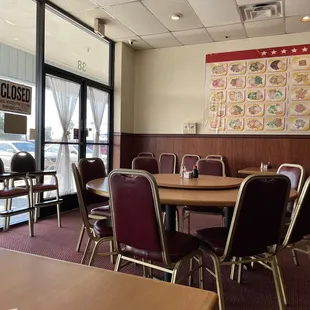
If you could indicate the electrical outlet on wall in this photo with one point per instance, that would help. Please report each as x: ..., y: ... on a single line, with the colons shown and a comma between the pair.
x: 189, y: 128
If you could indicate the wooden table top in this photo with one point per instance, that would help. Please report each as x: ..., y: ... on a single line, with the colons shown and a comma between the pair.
x: 257, y: 170
x: 181, y: 197
x: 203, y: 182
x: 34, y: 282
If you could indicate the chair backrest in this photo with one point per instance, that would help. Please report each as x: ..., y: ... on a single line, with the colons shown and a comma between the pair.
x: 136, y: 215
x: 23, y: 162
x: 167, y: 163
x: 80, y: 195
x: 148, y: 164
x: 90, y: 169
x: 299, y: 225
x: 220, y: 157
x: 211, y: 167
x: 258, y: 217
x: 189, y: 160
x: 146, y: 154
x: 1, y: 166
x: 296, y: 174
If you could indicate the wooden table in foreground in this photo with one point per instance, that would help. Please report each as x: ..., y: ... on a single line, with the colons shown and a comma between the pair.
x: 256, y: 170
x: 34, y: 282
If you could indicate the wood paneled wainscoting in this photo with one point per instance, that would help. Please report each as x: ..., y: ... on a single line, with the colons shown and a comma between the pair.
x: 240, y: 151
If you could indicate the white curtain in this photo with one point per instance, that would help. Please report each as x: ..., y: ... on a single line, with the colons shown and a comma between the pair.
x: 66, y: 95
x: 98, y: 101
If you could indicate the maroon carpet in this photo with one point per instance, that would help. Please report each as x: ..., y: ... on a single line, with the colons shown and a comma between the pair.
x: 256, y: 293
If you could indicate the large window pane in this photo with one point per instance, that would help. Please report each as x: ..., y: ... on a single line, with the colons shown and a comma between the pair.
x: 17, y: 64
x: 74, y: 49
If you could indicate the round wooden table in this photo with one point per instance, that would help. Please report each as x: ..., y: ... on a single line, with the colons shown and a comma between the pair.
x: 203, y: 182
x: 257, y: 170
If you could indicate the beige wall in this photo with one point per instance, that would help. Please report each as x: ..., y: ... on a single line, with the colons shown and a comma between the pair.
x: 169, y: 83
x: 124, y: 88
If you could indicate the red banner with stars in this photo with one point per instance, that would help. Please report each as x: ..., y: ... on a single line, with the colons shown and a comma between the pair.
x: 261, y: 91
x: 259, y: 53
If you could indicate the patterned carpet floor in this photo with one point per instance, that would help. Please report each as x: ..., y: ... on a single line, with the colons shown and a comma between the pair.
x: 257, y: 291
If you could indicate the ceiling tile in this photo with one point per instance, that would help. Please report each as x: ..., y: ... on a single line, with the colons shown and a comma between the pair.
x: 163, y: 9
x: 215, y: 12
x: 161, y: 40
x: 297, y: 7
x: 137, y: 18
x: 138, y: 43
x: 265, y: 28
x: 194, y: 36
x: 105, y: 3
x: 75, y: 5
x: 113, y: 28
x: 294, y: 25
x: 233, y: 32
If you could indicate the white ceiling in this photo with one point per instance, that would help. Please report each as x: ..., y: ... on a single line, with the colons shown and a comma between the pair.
x: 148, y: 22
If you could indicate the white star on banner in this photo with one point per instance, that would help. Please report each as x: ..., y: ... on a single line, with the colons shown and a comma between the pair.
x: 294, y: 50
x: 284, y: 51
x: 264, y: 53
x: 273, y: 52
x: 305, y: 49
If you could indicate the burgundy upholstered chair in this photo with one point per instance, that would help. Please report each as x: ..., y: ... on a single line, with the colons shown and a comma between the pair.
x: 256, y: 229
x: 296, y: 174
x: 189, y: 160
x: 148, y: 164
x: 205, y: 166
x: 98, y: 206
x: 23, y: 162
x: 138, y: 226
x: 167, y: 163
x: 146, y: 154
x: 98, y: 232
x: 9, y: 191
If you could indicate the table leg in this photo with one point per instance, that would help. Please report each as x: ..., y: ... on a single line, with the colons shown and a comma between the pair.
x: 170, y: 225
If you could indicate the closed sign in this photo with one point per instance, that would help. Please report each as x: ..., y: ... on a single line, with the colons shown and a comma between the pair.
x: 15, y: 97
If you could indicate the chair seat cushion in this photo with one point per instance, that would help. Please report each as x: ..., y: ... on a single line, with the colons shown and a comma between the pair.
x: 103, y: 228
x: 43, y: 187
x: 13, y: 191
x: 178, y: 246
x: 199, y: 209
x: 100, y: 210
x: 214, y: 239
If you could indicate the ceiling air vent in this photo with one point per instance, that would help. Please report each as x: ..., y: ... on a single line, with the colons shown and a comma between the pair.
x: 266, y: 10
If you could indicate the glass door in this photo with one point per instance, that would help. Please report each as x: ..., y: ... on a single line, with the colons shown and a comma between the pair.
x: 97, y: 124
x: 62, y: 114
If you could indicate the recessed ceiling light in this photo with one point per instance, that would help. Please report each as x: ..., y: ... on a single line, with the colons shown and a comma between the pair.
x: 9, y: 22
x: 176, y: 16
x: 306, y: 19
x: 16, y: 39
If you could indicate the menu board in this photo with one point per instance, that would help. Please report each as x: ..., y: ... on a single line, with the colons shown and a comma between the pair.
x: 263, y: 91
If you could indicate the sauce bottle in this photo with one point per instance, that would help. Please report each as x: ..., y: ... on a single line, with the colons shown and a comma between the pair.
x: 195, y: 172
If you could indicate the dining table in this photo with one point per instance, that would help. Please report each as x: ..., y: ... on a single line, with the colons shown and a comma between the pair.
x: 257, y: 170
x: 32, y: 282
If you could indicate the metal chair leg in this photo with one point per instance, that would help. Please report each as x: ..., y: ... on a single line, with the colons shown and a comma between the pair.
x: 295, y: 258
x: 94, y: 253
x: 188, y: 223
x: 111, y: 247
x: 201, y: 272
x: 218, y: 278
x: 280, y: 275
x: 190, y: 268
x: 58, y: 209
x: 118, y: 262
x: 239, y: 278
x: 30, y: 223
x: 277, y: 284
x: 232, y: 269
x: 7, y: 219
x: 85, y: 251
x: 81, y: 235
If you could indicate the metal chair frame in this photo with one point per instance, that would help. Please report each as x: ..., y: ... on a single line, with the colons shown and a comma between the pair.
x: 146, y: 154
x: 170, y: 267
x: 174, y: 160
x: 188, y: 155
x: 88, y: 225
